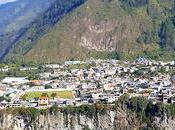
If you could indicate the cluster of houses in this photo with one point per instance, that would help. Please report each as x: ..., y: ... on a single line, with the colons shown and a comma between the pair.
x: 92, y: 81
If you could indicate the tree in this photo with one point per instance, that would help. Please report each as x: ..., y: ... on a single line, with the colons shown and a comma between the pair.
x: 2, y: 98
x: 24, y: 97
x: 167, y: 34
x: 123, y: 99
x: 53, y: 95
x: 134, y: 3
x: 44, y: 95
x: 47, y: 86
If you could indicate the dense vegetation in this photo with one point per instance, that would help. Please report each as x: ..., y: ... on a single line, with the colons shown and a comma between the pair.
x: 14, y: 70
x: 145, y: 110
x: 28, y: 35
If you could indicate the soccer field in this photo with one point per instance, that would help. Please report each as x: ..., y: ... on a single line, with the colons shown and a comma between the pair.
x: 57, y: 94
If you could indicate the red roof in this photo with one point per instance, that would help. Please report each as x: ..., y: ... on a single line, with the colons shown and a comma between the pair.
x: 43, y: 97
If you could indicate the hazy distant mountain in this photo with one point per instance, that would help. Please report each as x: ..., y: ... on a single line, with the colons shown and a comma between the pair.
x: 17, y: 14
x: 27, y: 20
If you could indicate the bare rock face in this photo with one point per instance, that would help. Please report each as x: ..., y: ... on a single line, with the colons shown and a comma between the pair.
x: 167, y: 123
x: 123, y: 121
x: 110, y: 120
x: 99, y: 36
x: 106, y: 35
x: 59, y: 121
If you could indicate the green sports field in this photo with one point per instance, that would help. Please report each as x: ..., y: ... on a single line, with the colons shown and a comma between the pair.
x: 50, y: 94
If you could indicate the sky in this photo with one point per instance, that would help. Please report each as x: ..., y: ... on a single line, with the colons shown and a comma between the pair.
x: 6, y: 1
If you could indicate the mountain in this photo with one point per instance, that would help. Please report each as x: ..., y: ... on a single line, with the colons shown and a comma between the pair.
x: 98, y: 28
x: 28, y: 20
x: 15, y: 15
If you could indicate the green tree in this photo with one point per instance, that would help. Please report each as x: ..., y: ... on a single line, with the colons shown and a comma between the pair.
x: 167, y: 34
x: 53, y: 95
x: 44, y: 95
x: 47, y: 86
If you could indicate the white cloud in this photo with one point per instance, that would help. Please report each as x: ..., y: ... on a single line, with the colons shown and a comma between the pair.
x: 6, y: 1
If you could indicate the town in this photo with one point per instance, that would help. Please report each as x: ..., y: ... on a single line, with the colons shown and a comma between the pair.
x: 86, y: 82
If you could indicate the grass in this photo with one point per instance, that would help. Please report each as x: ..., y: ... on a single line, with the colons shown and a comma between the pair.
x: 60, y: 94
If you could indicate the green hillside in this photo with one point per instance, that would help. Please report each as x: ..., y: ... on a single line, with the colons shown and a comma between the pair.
x: 108, y: 29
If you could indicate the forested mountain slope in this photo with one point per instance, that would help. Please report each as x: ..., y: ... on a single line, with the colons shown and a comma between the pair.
x: 28, y: 20
x: 15, y: 17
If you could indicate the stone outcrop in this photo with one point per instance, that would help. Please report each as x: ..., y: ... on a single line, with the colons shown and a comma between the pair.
x: 110, y: 120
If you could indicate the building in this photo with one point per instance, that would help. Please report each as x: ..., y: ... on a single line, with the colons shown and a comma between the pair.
x: 2, y: 91
x: 173, y: 80
x: 15, y: 80
x: 43, y: 102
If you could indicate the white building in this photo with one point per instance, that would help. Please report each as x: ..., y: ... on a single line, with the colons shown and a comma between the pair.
x: 15, y: 80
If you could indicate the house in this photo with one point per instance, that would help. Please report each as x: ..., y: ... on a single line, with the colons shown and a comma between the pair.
x: 36, y: 82
x: 96, y: 95
x: 43, y: 102
x: 4, y: 69
x: 2, y: 91
x: 13, y: 105
x: 31, y: 103
x: 110, y: 98
x: 109, y: 87
x: 4, y: 103
x: 113, y: 97
x: 173, y: 100
x: 141, y: 60
x: 173, y: 80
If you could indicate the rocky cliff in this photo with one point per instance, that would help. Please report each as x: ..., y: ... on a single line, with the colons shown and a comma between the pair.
x: 109, y: 120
